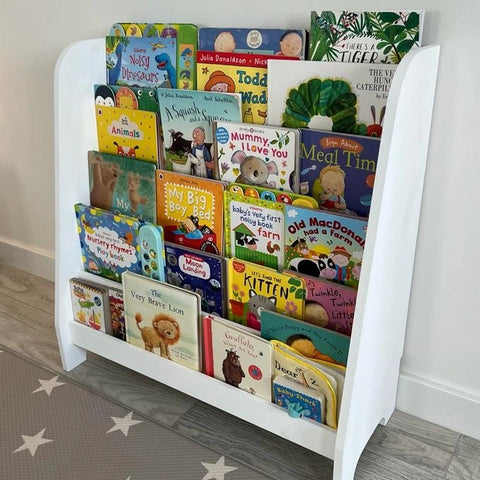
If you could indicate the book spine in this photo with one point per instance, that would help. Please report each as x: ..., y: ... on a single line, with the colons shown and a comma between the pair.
x: 207, y: 346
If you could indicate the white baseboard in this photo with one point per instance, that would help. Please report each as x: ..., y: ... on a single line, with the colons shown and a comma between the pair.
x: 28, y: 258
x: 440, y: 404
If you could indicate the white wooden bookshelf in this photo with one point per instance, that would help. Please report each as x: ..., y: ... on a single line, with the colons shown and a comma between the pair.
x: 383, y: 296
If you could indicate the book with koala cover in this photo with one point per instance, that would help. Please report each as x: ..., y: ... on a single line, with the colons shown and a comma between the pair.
x: 252, y: 288
x: 238, y: 356
x: 162, y: 319
x: 122, y: 185
x: 257, y: 155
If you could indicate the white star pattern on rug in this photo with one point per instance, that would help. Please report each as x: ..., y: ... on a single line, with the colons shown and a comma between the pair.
x: 32, y: 443
x: 124, y: 423
x: 217, y: 471
x: 48, y: 385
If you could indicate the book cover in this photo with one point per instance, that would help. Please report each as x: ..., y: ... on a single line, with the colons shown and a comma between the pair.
x: 238, y: 356
x: 263, y: 41
x: 200, y: 272
x: 134, y: 98
x: 299, y: 400
x: 190, y: 210
x: 252, y: 288
x: 141, y: 61
x: 127, y: 133
x: 364, y: 36
x: 339, y: 97
x: 338, y: 170
x: 162, y: 319
x: 310, y: 340
x: 117, y: 313
x: 186, y: 118
x: 237, y: 72
x: 255, y: 230
x: 257, y: 155
x: 324, y: 244
x: 186, y: 35
x: 108, y: 242
x: 122, y: 185
x: 90, y: 304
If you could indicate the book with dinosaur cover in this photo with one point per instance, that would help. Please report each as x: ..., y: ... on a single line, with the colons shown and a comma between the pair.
x: 135, y: 98
x: 187, y: 118
x: 238, y: 356
x: 338, y: 170
x: 364, y: 36
x: 190, y: 210
x: 257, y: 155
x: 252, y: 288
x: 162, y: 319
x: 122, y: 185
x: 334, y: 96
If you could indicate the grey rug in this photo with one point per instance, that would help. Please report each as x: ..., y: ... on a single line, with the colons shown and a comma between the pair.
x: 52, y: 428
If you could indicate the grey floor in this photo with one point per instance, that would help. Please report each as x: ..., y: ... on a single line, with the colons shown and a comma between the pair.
x: 406, y: 449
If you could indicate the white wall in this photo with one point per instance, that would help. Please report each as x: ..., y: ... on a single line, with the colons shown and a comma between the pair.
x: 440, y: 374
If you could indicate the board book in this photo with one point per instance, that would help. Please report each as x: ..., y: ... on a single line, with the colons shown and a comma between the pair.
x: 117, y: 313
x: 200, y: 272
x: 122, y: 185
x: 187, y: 118
x: 190, y: 210
x: 339, y: 97
x: 238, y: 356
x: 134, y: 98
x: 324, y: 244
x: 253, y: 288
x: 257, y: 155
x: 162, y: 319
x: 338, y: 170
x: 364, y: 36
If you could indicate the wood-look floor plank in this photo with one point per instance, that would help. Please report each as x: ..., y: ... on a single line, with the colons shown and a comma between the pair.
x: 465, y: 464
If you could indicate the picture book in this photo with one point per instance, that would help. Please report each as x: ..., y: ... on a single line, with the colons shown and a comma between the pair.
x: 162, y: 319
x: 121, y: 96
x: 90, y: 304
x: 117, y: 313
x: 127, y: 133
x: 108, y: 242
x: 238, y: 356
x: 334, y: 96
x: 257, y: 155
x: 299, y: 400
x: 252, y: 288
x: 324, y: 244
x: 141, y: 61
x: 255, y: 230
x: 237, y: 72
x: 186, y: 119
x: 123, y: 185
x: 266, y: 41
x: 190, y: 210
x: 364, y: 36
x: 338, y: 170
x: 200, y: 272
x: 186, y: 35
x: 310, y: 340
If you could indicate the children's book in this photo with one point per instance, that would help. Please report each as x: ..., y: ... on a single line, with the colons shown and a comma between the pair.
x: 364, y: 36
x: 186, y: 36
x: 310, y: 340
x: 266, y: 41
x: 90, y: 304
x: 117, y: 313
x: 134, y: 98
x: 252, y: 288
x: 162, y: 319
x: 257, y: 155
x: 187, y: 118
x: 324, y: 244
x: 123, y: 185
x: 127, y: 133
x: 339, y: 97
x: 200, y: 272
x: 238, y: 72
x: 338, y: 170
x: 255, y: 230
x: 299, y: 400
x: 238, y: 356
